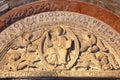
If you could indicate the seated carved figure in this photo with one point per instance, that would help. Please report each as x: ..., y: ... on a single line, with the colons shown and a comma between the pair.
x: 58, y: 45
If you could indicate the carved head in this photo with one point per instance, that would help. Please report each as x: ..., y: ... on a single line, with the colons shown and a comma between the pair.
x: 57, y: 30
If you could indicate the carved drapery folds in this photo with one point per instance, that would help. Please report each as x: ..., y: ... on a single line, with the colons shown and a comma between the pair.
x: 60, y: 42
x: 59, y: 48
x: 94, y: 55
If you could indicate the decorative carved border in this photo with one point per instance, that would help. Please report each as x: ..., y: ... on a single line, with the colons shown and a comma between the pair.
x: 59, y: 5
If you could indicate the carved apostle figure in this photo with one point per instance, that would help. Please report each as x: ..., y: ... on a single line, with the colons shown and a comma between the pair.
x: 58, y: 45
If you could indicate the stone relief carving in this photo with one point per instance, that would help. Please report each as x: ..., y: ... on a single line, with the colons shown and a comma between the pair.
x: 59, y: 48
x: 94, y: 55
x: 61, y: 42
x: 23, y: 53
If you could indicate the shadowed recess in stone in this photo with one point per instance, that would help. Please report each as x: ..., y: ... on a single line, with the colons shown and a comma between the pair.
x: 59, y: 44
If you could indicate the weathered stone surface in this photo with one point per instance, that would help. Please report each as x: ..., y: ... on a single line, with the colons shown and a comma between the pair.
x: 42, y: 6
x: 111, y: 5
x: 59, y: 38
x: 68, y: 43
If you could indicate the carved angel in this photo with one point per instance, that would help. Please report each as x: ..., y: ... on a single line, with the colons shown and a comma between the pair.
x: 94, y: 54
x: 22, y: 41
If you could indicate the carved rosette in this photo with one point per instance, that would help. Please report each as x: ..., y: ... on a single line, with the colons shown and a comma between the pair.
x: 61, y: 42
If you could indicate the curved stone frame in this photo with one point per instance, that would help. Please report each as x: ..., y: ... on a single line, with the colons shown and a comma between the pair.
x: 4, y: 18
x: 62, y: 5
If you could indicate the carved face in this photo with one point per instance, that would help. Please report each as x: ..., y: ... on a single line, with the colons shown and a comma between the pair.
x: 57, y: 31
x: 61, y: 47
